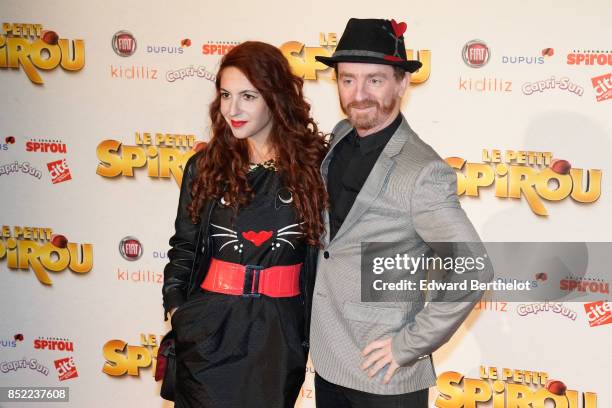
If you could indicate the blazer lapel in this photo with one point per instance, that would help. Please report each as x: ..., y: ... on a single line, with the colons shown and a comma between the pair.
x: 376, y: 179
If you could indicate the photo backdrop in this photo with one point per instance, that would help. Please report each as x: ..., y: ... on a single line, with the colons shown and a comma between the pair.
x: 103, y: 103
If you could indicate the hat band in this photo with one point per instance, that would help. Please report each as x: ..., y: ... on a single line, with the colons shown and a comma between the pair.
x: 358, y: 53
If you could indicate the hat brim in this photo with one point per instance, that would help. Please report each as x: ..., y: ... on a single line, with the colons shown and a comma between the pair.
x: 409, y: 65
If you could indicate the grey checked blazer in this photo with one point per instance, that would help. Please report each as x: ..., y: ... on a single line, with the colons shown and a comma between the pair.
x: 410, y: 195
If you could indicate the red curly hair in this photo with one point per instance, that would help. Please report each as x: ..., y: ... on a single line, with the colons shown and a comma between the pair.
x: 295, y: 138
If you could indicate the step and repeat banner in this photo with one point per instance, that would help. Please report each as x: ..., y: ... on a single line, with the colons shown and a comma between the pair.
x: 102, y: 104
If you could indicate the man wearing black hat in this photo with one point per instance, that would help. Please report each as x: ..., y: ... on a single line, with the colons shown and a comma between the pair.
x: 385, y: 185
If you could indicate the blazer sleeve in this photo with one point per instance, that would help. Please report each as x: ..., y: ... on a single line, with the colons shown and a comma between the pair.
x: 183, y: 245
x: 437, y: 217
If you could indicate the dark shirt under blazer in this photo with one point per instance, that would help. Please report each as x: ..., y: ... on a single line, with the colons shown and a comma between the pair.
x: 349, y: 168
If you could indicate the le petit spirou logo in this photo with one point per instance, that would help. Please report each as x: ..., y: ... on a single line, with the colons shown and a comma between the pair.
x: 40, y: 250
x: 508, y: 388
x: 533, y: 175
x: 32, y: 48
x: 163, y: 154
x: 122, y: 359
x: 302, y: 58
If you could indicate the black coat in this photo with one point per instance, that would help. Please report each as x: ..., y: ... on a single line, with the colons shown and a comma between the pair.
x: 191, y: 248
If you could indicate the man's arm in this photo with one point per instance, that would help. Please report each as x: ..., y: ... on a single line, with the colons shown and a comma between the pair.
x: 437, y: 217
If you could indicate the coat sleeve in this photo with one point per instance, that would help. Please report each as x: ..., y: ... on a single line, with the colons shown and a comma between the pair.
x: 183, y: 245
x: 438, y: 218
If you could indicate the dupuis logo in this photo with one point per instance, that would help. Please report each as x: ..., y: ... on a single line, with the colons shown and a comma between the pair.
x: 8, y: 141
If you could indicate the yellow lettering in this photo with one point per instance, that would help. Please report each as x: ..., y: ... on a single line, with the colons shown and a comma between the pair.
x: 451, y: 394
x: 75, y: 60
x: 38, y: 47
x: 116, y: 362
x: 110, y: 163
x: 29, y: 257
x: 18, y: 54
x: 478, y: 175
x: 593, y: 185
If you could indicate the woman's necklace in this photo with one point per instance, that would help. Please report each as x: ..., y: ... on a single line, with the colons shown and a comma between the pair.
x: 268, y: 164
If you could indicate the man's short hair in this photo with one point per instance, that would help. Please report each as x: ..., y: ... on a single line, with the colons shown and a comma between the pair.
x: 399, y: 73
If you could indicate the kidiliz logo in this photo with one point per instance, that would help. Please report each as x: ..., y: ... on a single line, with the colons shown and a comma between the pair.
x: 485, y: 85
x: 133, y: 72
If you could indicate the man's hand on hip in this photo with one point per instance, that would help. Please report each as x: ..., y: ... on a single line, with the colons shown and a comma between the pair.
x: 378, y: 355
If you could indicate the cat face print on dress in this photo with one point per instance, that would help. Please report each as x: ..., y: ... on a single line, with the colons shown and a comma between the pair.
x: 275, y: 239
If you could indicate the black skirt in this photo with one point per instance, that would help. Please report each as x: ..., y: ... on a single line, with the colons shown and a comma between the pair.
x: 239, y: 352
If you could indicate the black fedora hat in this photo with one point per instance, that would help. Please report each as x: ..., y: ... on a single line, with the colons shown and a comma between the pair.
x: 374, y: 41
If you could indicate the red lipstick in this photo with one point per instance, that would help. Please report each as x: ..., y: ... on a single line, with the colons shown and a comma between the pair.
x: 238, y: 123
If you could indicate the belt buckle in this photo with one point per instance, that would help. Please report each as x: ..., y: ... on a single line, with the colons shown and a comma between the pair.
x: 251, y: 280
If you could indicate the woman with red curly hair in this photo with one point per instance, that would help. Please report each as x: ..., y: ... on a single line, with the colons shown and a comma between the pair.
x: 239, y: 281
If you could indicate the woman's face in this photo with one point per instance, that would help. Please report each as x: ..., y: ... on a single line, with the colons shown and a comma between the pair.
x: 243, y: 107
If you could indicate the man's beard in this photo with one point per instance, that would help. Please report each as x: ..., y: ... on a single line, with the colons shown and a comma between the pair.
x: 370, y: 119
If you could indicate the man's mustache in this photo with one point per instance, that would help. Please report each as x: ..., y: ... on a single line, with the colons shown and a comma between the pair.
x: 368, y: 103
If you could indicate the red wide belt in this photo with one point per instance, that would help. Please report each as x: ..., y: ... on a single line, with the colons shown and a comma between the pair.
x: 252, y: 280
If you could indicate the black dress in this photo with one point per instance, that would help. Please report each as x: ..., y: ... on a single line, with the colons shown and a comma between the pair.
x: 235, y: 351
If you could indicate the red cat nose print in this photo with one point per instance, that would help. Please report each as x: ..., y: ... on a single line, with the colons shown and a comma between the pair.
x: 257, y: 238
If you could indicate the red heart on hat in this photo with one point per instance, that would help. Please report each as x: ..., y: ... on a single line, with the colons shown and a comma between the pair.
x: 392, y: 58
x: 399, y: 29
x: 257, y: 238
